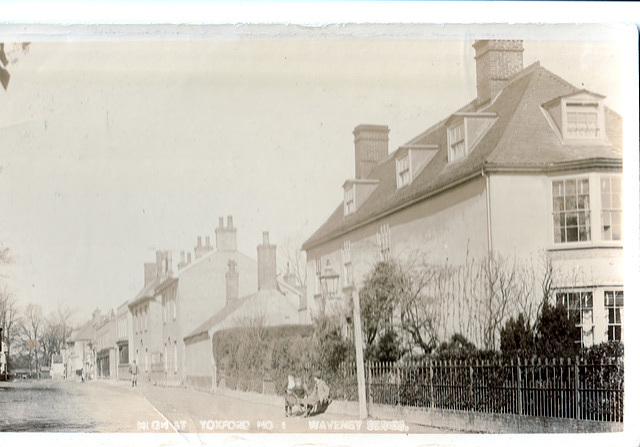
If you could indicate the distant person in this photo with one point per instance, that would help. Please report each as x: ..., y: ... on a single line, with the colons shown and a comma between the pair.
x: 134, y: 371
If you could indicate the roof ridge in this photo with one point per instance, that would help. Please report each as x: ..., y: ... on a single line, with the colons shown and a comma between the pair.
x: 501, y: 147
x: 438, y: 124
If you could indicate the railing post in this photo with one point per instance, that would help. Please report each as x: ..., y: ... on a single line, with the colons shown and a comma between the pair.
x: 471, y: 397
x: 431, y: 383
x: 519, y: 388
x: 369, y: 380
x: 577, y: 390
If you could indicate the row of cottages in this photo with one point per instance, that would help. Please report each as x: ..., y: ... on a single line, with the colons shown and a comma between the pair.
x: 173, y: 304
x: 531, y: 167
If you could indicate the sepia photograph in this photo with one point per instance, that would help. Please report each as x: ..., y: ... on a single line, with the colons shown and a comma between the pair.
x: 215, y: 232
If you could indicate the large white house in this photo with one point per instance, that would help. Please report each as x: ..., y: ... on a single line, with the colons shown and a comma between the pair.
x: 530, y: 169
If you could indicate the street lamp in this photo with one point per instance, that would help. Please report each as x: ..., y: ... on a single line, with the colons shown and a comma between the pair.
x: 329, y: 280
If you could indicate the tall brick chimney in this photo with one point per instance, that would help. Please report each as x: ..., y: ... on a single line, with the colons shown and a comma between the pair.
x: 150, y: 272
x: 266, y: 264
x: 372, y: 146
x: 233, y: 283
x: 496, y: 62
x: 226, y: 238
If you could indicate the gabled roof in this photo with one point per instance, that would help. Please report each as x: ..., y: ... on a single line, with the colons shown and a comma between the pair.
x: 236, y: 304
x: 521, y: 138
x: 146, y: 293
x: 84, y: 332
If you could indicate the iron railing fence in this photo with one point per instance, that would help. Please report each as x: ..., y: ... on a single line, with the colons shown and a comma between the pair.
x: 534, y: 387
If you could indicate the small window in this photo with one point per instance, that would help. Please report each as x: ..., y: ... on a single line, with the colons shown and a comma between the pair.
x: 571, y: 213
x: 611, y: 195
x: 582, y: 120
x: 614, y: 303
x: 403, y: 174
x: 384, y: 242
x: 349, y: 201
x: 457, y: 146
x: 346, y: 263
x: 318, y: 262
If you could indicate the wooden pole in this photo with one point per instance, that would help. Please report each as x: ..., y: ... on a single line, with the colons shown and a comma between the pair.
x: 362, y: 392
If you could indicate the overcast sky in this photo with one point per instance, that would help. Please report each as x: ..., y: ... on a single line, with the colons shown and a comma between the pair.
x: 111, y: 148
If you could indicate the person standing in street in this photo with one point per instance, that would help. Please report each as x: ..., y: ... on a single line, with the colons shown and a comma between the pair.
x: 133, y: 370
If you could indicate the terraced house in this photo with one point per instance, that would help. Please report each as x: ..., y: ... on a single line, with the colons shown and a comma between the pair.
x: 532, y: 165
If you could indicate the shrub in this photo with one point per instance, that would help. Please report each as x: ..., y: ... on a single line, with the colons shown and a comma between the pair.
x: 517, y: 338
x: 556, y: 334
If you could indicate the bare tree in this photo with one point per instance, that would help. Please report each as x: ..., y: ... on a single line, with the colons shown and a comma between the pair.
x: 5, y: 256
x: 56, y: 329
x: 8, y: 319
x: 31, y: 330
x: 294, y: 259
x: 418, y: 315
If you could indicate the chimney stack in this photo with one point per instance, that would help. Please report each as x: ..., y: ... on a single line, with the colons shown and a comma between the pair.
x: 290, y: 277
x: 226, y: 236
x: 163, y: 263
x: 183, y: 263
x: 200, y: 249
x: 233, y: 283
x: 266, y: 264
x: 150, y: 272
x: 371, y: 145
x: 496, y: 62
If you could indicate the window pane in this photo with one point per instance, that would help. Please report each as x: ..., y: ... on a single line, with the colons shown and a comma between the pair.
x: 570, y: 186
x: 558, y: 204
x: 612, y: 318
x: 619, y: 299
x: 606, y: 201
x: 558, y: 189
x: 617, y: 333
x: 616, y: 185
x: 584, y: 186
x: 574, y: 316
x: 572, y: 234
x: 583, y: 202
x: 608, y: 298
x: 606, y: 185
x: 616, y: 201
x: 588, y: 300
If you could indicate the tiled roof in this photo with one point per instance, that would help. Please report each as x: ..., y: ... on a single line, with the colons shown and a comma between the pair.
x: 84, y: 332
x: 234, y: 305
x: 521, y: 137
x: 147, y: 291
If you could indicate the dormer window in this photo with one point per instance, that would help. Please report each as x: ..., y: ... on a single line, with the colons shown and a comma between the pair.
x: 410, y: 160
x: 349, y: 201
x: 356, y: 192
x: 457, y: 148
x: 464, y: 131
x: 403, y: 173
x: 578, y: 117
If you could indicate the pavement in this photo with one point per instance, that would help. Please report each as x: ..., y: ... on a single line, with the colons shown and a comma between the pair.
x: 110, y: 406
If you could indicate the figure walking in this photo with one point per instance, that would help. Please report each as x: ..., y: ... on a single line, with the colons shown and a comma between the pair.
x: 133, y: 370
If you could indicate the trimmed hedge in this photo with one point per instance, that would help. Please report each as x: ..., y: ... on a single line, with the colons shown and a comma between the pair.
x: 247, y: 355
